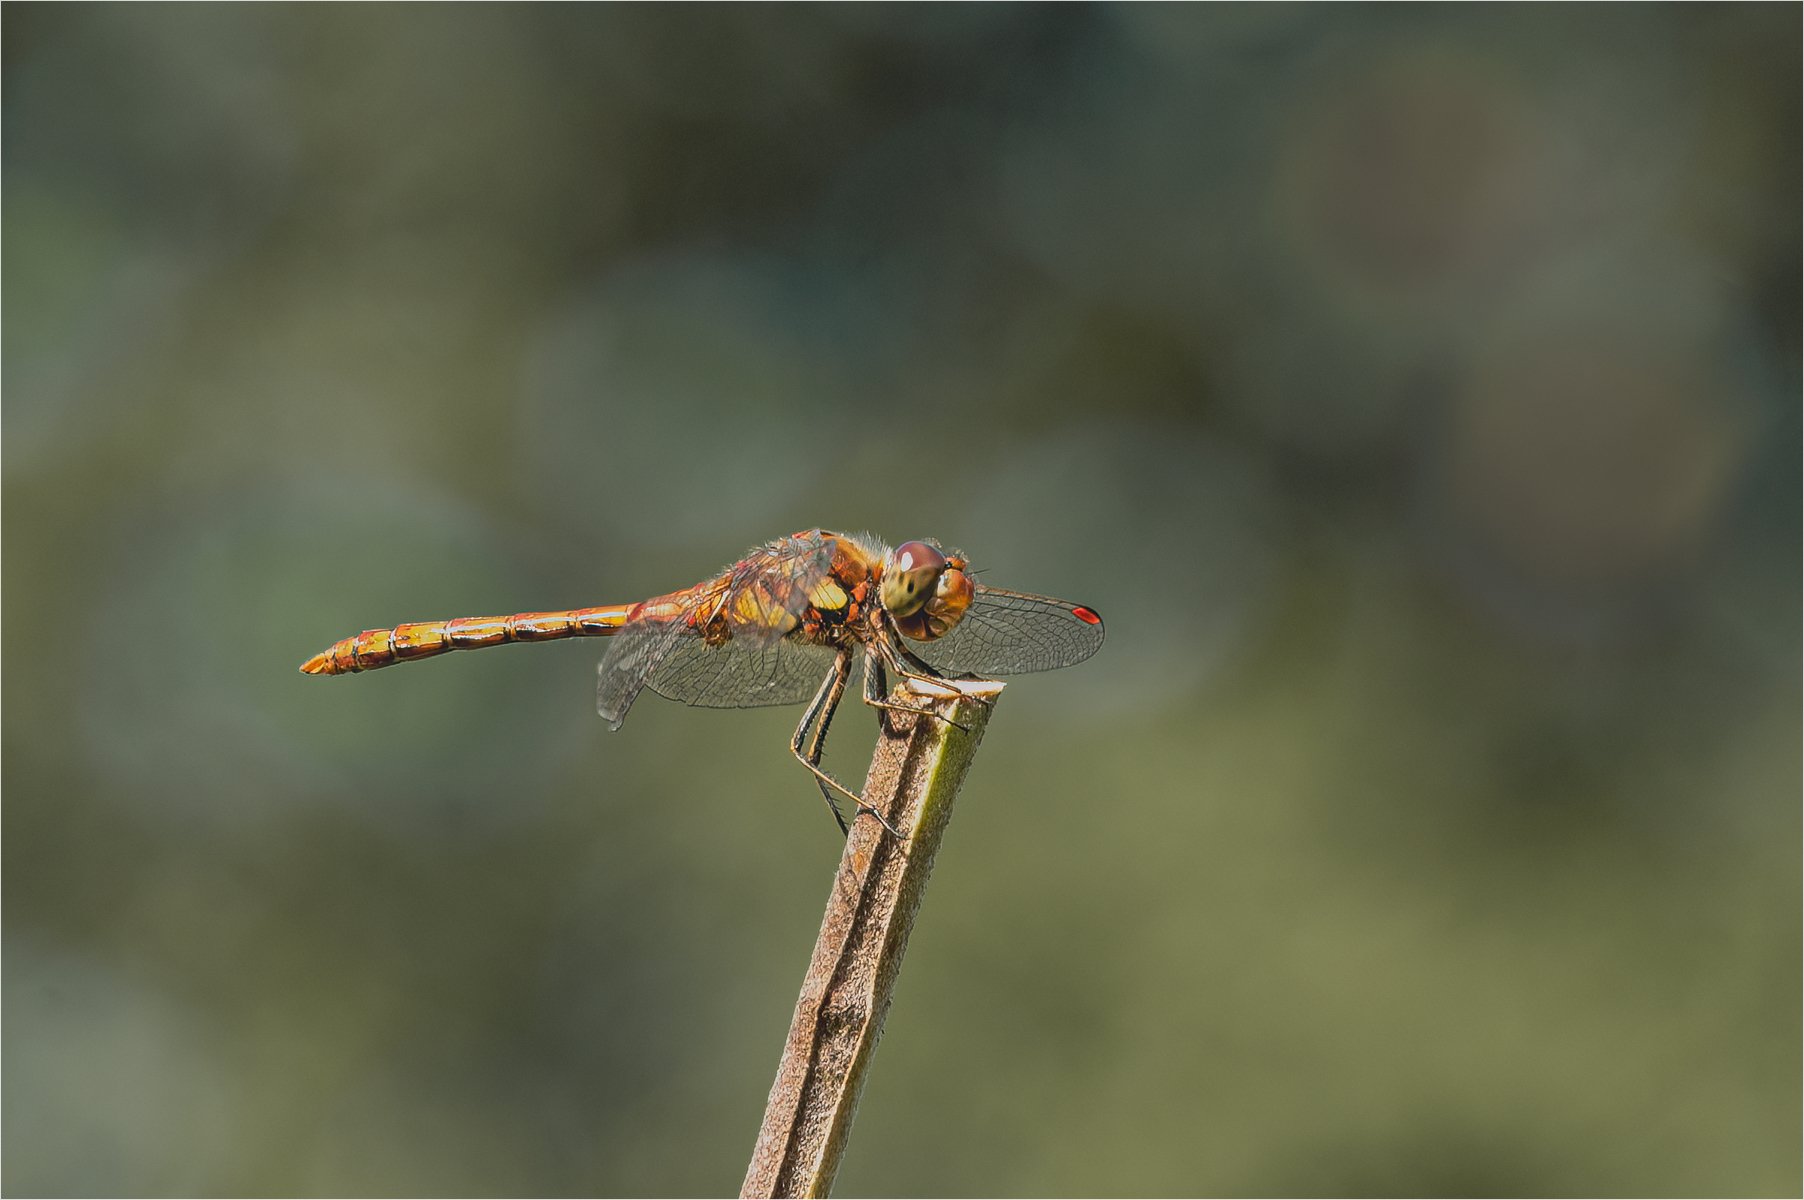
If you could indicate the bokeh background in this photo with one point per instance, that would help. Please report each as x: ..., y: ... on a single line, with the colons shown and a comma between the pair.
x: 1414, y: 389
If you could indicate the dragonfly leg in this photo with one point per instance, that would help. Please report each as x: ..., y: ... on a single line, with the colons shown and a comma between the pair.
x: 820, y: 715
x: 874, y: 689
x: 824, y: 701
x: 927, y: 673
x: 876, y: 699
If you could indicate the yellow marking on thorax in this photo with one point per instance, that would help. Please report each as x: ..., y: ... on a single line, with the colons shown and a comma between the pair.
x: 828, y: 596
x: 754, y: 608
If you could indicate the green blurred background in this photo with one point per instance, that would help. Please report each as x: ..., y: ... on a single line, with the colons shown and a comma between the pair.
x: 1415, y: 391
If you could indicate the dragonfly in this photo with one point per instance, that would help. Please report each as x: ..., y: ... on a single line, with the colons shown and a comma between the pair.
x: 787, y: 624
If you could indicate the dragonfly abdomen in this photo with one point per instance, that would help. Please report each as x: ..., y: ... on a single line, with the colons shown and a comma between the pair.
x: 375, y: 648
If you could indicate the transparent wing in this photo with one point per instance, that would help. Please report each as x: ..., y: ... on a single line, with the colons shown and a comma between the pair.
x: 633, y: 654
x: 1013, y: 633
x: 758, y: 598
x: 720, y: 644
x: 742, y: 674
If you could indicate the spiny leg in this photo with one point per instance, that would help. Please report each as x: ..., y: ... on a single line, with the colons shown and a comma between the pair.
x: 819, y: 745
x: 913, y: 666
x: 824, y: 700
x: 876, y: 698
x: 820, y: 714
x: 909, y: 665
x: 876, y: 689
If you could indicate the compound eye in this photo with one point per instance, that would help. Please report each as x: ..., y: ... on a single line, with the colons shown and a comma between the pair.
x: 919, y: 556
x: 909, y: 577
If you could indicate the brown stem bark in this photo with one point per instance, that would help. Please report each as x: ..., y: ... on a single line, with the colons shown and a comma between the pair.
x: 915, y: 776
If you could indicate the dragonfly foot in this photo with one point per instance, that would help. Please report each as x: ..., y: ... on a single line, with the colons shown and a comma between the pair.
x: 881, y: 820
x: 941, y: 717
x: 936, y: 714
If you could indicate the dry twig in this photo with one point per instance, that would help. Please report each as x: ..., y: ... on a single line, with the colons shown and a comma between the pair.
x: 915, y: 775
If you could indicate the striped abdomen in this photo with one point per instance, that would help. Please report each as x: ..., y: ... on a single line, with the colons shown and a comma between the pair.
x: 383, y: 647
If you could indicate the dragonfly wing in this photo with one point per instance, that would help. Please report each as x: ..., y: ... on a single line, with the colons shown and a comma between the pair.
x: 761, y: 596
x: 721, y: 644
x: 1013, y: 633
x: 634, y: 654
x: 742, y: 673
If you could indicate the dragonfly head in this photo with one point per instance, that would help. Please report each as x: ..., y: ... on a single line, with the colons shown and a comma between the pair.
x: 924, y: 590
